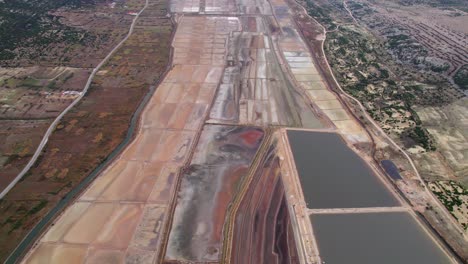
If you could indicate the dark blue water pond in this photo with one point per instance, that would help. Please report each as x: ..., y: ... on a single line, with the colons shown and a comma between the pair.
x: 391, y: 169
x: 334, y: 176
x: 374, y: 238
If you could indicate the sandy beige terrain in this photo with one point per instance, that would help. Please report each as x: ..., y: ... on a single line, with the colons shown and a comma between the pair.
x: 449, y: 126
x: 254, y: 89
x: 237, y: 65
x: 122, y: 214
x: 301, y: 64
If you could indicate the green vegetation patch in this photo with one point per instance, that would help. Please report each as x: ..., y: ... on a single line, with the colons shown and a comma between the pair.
x: 455, y: 198
x: 320, y: 13
x: 31, y: 24
x: 38, y: 207
x: 30, y: 82
x: 461, y: 77
x: 365, y: 67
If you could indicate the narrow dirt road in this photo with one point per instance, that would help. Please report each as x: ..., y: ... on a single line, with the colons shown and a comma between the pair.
x: 52, y: 126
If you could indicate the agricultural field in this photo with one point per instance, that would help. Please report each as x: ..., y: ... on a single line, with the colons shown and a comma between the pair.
x: 39, y: 92
x: 91, y: 130
x: 30, y: 99
x: 416, y: 99
x: 44, y: 69
x: 76, y: 33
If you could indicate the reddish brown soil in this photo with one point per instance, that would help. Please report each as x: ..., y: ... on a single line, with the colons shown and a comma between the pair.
x: 208, y: 185
x: 88, y: 134
x: 18, y: 139
x: 263, y: 231
x: 103, y: 27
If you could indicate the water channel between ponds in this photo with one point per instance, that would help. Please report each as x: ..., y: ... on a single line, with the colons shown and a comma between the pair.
x: 368, y: 238
x: 334, y: 176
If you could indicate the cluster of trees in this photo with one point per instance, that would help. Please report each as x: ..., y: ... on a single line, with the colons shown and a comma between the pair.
x: 365, y: 59
x: 461, y: 77
x: 29, y: 24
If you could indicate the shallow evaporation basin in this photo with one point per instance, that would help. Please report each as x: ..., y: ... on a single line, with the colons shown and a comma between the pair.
x: 369, y: 238
x: 334, y: 176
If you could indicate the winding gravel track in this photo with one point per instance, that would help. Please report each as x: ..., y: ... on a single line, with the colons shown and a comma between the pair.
x: 59, y: 117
